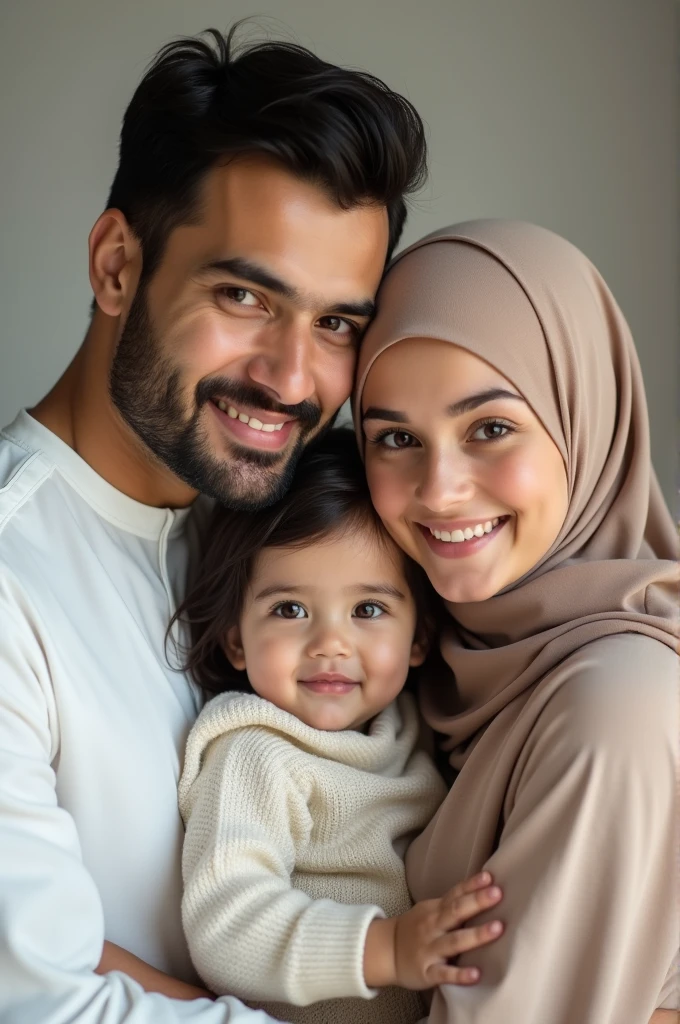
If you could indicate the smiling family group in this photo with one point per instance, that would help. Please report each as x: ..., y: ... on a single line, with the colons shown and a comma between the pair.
x: 315, y: 725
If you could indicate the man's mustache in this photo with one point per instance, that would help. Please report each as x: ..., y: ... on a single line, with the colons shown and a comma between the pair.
x: 239, y: 393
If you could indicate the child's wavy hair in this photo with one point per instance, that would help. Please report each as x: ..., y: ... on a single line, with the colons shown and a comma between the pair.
x: 329, y: 495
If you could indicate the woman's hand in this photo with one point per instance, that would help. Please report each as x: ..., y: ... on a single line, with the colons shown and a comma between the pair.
x: 114, y: 958
x: 414, y: 950
x: 665, y: 1017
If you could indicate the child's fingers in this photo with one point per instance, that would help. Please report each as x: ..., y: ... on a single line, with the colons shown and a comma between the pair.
x: 454, y: 910
x: 447, y: 974
x: 464, y: 939
x: 479, y: 881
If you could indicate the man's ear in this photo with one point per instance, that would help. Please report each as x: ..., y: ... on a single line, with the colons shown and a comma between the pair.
x: 115, y: 262
x: 233, y: 648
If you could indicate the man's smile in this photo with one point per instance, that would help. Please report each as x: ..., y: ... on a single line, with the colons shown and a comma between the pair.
x: 268, y: 430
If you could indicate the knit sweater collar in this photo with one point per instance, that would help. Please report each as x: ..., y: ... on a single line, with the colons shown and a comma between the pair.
x: 383, y: 749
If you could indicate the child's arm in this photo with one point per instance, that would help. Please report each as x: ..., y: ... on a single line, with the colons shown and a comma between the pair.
x: 114, y: 958
x: 414, y: 949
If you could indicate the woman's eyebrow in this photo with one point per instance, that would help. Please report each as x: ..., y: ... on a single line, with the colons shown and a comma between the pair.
x: 480, y: 398
x: 374, y: 412
x: 467, y: 404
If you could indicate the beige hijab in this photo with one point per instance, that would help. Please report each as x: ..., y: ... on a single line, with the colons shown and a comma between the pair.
x: 532, y: 305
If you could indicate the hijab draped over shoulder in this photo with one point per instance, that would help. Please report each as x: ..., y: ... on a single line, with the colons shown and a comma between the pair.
x: 534, y: 307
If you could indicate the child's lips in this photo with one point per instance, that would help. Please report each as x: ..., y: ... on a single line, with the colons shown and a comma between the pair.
x: 329, y: 682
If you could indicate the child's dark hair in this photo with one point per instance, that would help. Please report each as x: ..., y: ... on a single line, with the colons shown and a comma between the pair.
x: 329, y: 495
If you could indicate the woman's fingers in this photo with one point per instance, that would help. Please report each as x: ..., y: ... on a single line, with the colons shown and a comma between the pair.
x: 462, y: 940
x: 455, y: 909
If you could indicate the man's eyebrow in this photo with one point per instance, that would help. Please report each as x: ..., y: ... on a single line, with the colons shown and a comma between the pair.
x: 249, y: 271
x: 463, y: 405
x: 246, y: 270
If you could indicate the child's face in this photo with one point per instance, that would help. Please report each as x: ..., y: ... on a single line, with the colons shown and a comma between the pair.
x: 327, y: 631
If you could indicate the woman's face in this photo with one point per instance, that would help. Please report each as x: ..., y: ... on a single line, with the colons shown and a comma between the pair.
x: 464, y: 476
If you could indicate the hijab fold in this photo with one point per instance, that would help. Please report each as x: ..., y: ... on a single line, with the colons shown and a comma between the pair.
x: 534, y: 307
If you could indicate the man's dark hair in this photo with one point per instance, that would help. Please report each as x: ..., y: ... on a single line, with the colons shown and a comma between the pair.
x: 329, y: 496
x: 204, y: 100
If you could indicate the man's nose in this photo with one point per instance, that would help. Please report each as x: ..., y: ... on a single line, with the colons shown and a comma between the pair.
x: 447, y: 481
x: 283, y: 365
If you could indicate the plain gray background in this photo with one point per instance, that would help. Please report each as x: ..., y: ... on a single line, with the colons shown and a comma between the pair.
x: 565, y: 113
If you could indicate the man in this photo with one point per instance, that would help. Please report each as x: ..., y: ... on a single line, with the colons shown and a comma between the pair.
x: 257, y: 197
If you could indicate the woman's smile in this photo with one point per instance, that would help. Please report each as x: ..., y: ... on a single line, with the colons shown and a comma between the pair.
x: 462, y: 538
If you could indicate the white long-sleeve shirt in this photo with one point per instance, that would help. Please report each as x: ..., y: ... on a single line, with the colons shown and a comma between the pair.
x: 93, y: 723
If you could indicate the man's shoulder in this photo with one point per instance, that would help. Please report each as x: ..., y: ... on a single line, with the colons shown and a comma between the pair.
x: 24, y: 469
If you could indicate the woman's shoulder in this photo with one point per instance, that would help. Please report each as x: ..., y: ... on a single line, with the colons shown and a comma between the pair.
x: 633, y: 656
x: 621, y: 688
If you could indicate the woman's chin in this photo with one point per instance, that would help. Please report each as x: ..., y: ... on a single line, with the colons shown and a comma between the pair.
x: 463, y: 591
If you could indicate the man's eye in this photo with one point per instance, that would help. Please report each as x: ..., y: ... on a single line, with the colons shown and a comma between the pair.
x: 338, y: 326
x: 241, y: 296
x: 368, y: 610
x: 290, y: 610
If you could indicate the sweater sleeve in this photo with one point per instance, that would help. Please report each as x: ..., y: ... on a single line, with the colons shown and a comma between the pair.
x: 249, y: 930
x: 51, y: 917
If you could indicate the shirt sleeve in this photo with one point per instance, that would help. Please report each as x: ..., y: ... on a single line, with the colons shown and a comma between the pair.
x: 249, y: 930
x: 51, y: 918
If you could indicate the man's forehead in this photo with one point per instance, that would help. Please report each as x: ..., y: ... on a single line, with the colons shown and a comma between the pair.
x: 261, y: 212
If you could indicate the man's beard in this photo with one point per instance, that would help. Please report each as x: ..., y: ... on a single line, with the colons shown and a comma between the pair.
x: 146, y: 390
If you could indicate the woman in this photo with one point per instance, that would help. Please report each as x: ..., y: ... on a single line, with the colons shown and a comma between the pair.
x: 502, y: 415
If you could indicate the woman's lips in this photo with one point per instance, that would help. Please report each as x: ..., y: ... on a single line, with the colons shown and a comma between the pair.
x: 465, y: 548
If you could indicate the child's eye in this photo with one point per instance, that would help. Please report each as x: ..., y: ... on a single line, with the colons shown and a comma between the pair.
x: 290, y: 610
x: 368, y: 610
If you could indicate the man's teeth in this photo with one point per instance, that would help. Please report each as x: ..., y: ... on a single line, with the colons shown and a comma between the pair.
x: 252, y: 421
x: 457, y: 536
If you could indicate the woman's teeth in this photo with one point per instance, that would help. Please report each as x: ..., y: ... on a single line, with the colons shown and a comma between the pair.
x: 458, y: 536
x: 252, y: 421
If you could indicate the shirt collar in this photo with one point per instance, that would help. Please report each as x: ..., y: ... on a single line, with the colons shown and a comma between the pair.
x: 108, y: 502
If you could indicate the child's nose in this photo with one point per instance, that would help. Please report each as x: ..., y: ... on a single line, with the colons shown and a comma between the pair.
x: 329, y: 641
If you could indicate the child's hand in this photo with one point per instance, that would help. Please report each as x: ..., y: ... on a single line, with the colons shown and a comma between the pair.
x: 414, y: 949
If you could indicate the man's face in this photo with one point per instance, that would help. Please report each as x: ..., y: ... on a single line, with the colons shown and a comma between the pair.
x: 241, y: 347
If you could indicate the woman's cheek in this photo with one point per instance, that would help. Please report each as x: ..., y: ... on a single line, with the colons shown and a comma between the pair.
x: 387, y: 492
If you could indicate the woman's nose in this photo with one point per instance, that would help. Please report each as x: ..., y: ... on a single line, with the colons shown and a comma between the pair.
x: 447, y: 481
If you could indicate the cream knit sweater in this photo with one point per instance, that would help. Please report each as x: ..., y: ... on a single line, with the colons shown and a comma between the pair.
x: 294, y: 843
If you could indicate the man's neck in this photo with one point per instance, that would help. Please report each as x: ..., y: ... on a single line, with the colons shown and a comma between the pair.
x: 80, y: 412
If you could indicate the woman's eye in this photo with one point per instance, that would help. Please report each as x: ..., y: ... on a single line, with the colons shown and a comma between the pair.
x: 290, y: 610
x: 396, y: 439
x: 241, y: 296
x: 336, y: 324
x: 368, y: 610
x: 491, y: 431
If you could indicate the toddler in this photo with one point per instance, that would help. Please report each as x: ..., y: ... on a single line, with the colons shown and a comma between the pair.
x: 304, y: 778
